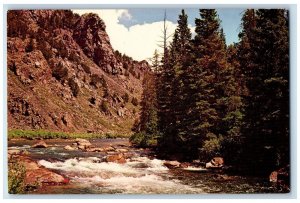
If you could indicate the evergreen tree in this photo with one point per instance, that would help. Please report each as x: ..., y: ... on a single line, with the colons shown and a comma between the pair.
x: 206, y: 85
x: 266, y: 128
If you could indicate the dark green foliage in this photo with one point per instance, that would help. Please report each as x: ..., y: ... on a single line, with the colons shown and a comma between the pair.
x: 217, y: 100
x: 172, y: 88
x: 148, y: 120
x: 142, y: 139
x: 264, y: 55
x: 135, y: 101
x: 207, y: 82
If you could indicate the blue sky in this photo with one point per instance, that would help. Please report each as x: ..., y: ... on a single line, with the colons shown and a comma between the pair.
x: 230, y: 19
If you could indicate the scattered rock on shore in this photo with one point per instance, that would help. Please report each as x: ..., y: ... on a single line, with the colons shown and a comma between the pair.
x: 95, y: 149
x: 69, y: 148
x: 122, y: 150
x: 40, y: 144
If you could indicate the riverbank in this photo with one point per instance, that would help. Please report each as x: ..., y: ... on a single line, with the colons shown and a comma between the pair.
x: 43, y: 134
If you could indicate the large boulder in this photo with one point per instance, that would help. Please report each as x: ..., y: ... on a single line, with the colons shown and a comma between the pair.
x: 37, y: 175
x: 172, y: 164
x: 216, y: 162
x: 40, y: 144
x: 282, y: 178
x: 118, y: 158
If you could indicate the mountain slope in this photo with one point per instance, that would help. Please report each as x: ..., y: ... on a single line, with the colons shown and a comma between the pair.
x: 63, y: 74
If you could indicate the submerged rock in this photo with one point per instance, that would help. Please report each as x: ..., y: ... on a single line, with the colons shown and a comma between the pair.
x: 40, y: 144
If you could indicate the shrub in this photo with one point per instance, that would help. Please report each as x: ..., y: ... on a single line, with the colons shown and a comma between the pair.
x: 16, y: 178
x: 31, y: 46
x: 135, y: 101
x: 74, y: 87
x: 212, y: 146
x: 60, y: 72
x: 95, y: 80
x: 104, y: 107
x: 126, y: 97
x: 86, y: 67
x: 103, y: 82
x: 142, y: 139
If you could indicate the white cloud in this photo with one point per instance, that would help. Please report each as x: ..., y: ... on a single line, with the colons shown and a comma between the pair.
x: 138, y: 41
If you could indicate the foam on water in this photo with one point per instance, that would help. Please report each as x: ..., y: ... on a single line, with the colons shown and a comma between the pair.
x: 149, y: 184
x: 139, y: 175
x: 90, y: 164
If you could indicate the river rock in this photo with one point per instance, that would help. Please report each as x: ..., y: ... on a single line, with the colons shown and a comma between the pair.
x: 69, y: 148
x: 82, y: 147
x: 122, y: 150
x: 281, y: 177
x: 118, y: 158
x: 14, y: 151
x: 110, y: 148
x: 216, y: 162
x: 95, y: 149
x: 82, y: 143
x: 38, y: 175
x: 172, y: 164
x: 40, y: 144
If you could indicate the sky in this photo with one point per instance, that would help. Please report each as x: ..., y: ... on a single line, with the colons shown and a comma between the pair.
x: 137, y: 32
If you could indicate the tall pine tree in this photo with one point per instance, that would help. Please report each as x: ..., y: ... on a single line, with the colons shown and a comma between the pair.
x: 206, y: 85
x: 266, y: 121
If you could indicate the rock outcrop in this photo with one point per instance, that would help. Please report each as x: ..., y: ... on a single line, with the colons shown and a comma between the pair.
x: 36, y: 175
x: 64, y: 75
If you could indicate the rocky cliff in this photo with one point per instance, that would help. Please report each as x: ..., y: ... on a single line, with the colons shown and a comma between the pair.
x: 63, y: 74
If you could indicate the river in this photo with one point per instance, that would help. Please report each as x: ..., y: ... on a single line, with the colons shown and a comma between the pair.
x: 142, y: 173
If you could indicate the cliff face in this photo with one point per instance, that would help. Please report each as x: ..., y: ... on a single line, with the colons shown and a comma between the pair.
x: 63, y: 74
